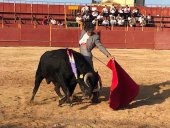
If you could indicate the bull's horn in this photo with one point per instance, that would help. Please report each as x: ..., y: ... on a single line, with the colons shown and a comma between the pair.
x: 86, y: 77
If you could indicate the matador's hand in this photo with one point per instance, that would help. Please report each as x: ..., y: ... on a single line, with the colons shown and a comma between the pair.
x: 111, y: 57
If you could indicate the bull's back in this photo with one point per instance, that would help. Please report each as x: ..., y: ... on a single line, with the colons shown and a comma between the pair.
x: 57, y: 61
x: 52, y: 62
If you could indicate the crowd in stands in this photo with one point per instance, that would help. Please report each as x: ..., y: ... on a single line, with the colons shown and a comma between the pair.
x: 107, y: 16
x: 113, y: 16
x: 50, y: 20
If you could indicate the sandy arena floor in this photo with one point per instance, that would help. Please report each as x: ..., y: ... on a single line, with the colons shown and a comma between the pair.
x: 151, y: 109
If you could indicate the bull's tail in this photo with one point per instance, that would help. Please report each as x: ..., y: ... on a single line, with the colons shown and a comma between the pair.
x: 38, y: 79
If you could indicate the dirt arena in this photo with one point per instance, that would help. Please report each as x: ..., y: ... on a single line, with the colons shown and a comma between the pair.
x: 151, y: 109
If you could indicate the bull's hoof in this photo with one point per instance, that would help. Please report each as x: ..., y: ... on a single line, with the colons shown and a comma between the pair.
x: 62, y: 101
x: 60, y: 105
x: 71, y: 105
x: 31, y: 100
x: 95, y: 101
x: 70, y: 101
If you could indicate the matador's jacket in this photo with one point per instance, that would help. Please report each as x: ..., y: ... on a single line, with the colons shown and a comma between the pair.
x: 87, y: 43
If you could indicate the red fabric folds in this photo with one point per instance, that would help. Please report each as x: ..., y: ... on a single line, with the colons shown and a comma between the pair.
x: 123, y: 88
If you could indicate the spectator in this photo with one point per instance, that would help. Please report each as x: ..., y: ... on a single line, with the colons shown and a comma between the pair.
x: 85, y: 10
x: 105, y: 22
x: 135, y: 12
x: 100, y: 18
x: 53, y: 21
x: 113, y: 21
x: 126, y: 11
x: 121, y: 11
x: 113, y: 10
x: 149, y: 18
x: 79, y: 19
x: 95, y: 14
x: 120, y: 20
x: 105, y: 11
x: 60, y: 23
x: 87, y: 17
x: 132, y: 21
x: 142, y: 20
x: 45, y: 21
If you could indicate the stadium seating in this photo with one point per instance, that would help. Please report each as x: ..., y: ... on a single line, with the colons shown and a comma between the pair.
x: 16, y: 13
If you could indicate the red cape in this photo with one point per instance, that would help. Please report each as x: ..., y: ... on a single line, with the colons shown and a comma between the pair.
x: 123, y: 88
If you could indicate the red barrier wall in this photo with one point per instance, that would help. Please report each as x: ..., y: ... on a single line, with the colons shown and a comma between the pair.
x: 9, y: 34
x: 162, y: 39
x: 65, y: 37
x: 113, y: 39
x: 139, y: 39
x: 35, y: 37
x: 27, y: 35
x: 9, y: 37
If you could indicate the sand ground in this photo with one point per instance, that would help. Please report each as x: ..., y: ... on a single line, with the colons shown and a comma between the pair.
x: 151, y: 108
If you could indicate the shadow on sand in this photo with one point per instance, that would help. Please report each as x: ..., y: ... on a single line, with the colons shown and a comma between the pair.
x: 148, y: 94
x: 152, y: 94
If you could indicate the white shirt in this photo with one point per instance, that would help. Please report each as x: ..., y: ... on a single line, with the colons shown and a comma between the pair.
x: 99, y: 17
x: 120, y: 21
x: 105, y: 10
x: 126, y: 10
x: 105, y: 22
x: 84, y: 39
x: 113, y: 22
x: 120, y: 10
x: 78, y: 18
x: 94, y: 13
x: 112, y: 9
x: 53, y: 22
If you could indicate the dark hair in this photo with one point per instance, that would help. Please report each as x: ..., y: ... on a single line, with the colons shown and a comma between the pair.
x: 89, y: 26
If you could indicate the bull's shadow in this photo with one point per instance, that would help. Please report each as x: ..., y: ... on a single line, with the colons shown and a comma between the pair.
x: 148, y: 94
x: 104, y: 95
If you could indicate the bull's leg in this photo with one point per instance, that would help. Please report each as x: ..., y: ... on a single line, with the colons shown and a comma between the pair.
x: 65, y: 98
x: 57, y: 89
x: 66, y: 91
x: 38, y: 80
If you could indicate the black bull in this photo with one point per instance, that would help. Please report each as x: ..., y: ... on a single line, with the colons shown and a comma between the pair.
x: 55, y: 67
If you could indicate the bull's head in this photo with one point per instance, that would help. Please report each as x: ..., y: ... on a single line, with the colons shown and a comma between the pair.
x: 91, y: 85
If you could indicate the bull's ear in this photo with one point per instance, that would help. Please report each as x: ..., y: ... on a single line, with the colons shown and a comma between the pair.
x: 96, y: 74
